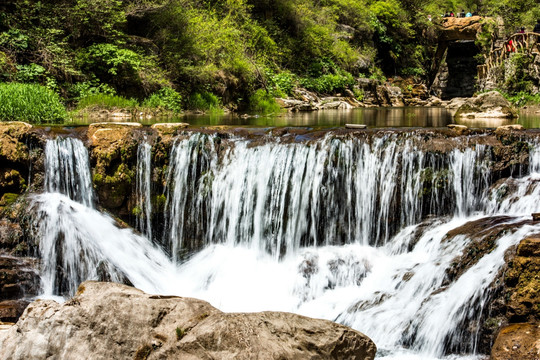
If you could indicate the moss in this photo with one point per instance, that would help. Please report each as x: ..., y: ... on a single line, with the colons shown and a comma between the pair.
x: 159, y: 202
x: 21, y: 248
x: 98, y: 178
x: 81, y: 289
x: 180, y: 333
x: 136, y: 211
x: 203, y: 316
x: 8, y: 199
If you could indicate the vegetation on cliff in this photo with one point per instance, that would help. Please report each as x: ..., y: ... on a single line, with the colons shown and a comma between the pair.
x: 203, y: 54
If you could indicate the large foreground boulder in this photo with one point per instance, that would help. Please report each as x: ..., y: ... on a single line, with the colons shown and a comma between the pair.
x: 112, y: 321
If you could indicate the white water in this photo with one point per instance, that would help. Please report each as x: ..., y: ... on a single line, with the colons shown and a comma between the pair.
x: 144, y: 187
x: 268, y: 215
x: 67, y: 169
x: 280, y: 197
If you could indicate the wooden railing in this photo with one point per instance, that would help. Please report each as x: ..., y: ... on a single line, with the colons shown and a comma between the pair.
x: 526, y: 43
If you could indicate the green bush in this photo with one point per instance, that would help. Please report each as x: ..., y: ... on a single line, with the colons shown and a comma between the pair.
x: 263, y: 102
x: 30, y: 73
x: 517, y: 78
x: 84, y: 89
x: 204, y: 101
x: 329, y: 83
x: 283, y: 83
x: 166, y: 98
x: 106, y: 101
x: 30, y: 102
x: 523, y: 98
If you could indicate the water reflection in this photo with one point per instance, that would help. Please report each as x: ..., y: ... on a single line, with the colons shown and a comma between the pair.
x: 372, y: 117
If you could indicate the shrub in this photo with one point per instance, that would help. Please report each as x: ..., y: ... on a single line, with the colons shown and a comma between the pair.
x: 204, y: 101
x: 517, y: 75
x: 523, y: 98
x: 30, y: 102
x: 283, y: 83
x: 166, y: 98
x: 261, y: 101
x: 106, y: 101
x: 30, y: 73
x: 84, y: 89
x: 329, y: 83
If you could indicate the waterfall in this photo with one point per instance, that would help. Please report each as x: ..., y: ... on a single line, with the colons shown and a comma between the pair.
x: 143, y: 189
x: 280, y: 197
x: 79, y: 243
x: 67, y: 169
x: 354, y: 230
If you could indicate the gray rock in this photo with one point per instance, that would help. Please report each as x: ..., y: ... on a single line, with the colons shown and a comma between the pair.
x: 487, y: 105
x: 113, y: 321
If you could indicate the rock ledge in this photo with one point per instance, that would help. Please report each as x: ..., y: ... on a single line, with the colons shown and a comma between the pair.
x: 113, y: 321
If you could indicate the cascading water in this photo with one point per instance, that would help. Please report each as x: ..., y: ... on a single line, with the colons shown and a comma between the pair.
x: 334, y: 228
x: 279, y: 197
x: 67, y: 170
x: 144, y: 187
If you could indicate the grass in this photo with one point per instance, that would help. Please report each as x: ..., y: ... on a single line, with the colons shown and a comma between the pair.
x: 32, y: 103
x: 106, y: 101
x: 180, y: 333
x: 204, y: 101
x: 263, y: 102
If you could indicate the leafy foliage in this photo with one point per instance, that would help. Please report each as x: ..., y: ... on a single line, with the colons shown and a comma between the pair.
x: 218, y: 52
x: 263, y: 102
x: 204, y: 101
x: 166, y: 99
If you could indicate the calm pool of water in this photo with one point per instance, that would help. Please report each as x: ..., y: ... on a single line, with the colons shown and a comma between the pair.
x: 372, y: 117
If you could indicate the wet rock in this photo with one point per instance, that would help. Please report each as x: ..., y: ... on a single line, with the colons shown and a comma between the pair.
x: 508, y: 129
x: 434, y: 101
x: 11, y: 310
x: 18, y: 277
x: 522, y: 281
x: 334, y: 104
x: 517, y: 341
x: 487, y: 105
x: 458, y: 129
x: 113, y: 152
x: 115, y: 321
x: 169, y: 128
x: 484, y: 234
x: 16, y: 140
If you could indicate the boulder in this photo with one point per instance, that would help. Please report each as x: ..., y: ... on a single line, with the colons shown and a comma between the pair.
x: 517, y: 341
x: 454, y: 28
x: 16, y: 141
x: 487, y: 105
x: 113, y: 321
x: 458, y: 129
x: 508, y: 129
x: 169, y: 128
